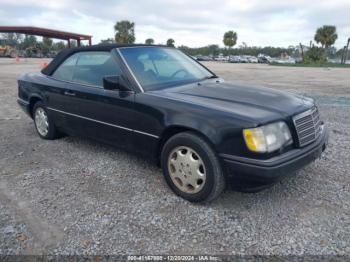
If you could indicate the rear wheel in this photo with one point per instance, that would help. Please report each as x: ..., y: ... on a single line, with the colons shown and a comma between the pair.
x: 13, y: 54
x: 191, y: 168
x: 43, y: 123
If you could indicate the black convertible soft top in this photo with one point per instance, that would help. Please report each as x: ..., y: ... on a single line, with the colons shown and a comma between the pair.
x: 65, y: 53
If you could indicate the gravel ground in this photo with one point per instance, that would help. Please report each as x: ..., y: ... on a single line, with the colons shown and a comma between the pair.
x: 75, y: 196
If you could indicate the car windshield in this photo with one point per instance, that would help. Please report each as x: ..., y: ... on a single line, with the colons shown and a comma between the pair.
x: 160, y: 67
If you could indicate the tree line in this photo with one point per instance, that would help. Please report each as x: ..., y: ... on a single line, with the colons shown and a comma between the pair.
x: 23, y: 42
x: 325, y: 37
x: 125, y: 34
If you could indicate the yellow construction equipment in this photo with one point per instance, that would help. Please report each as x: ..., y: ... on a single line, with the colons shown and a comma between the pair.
x: 7, y: 50
x: 34, y: 51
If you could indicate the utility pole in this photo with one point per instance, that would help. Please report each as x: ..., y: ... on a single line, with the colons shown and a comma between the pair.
x: 346, y: 51
x: 342, y: 55
x: 302, y: 51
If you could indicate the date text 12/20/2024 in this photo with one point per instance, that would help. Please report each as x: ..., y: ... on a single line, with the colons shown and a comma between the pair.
x: 173, y: 258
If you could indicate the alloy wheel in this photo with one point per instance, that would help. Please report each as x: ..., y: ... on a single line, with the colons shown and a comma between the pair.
x: 187, y: 169
x: 41, y: 121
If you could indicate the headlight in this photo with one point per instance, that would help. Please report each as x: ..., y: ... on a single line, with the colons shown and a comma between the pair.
x: 267, y: 138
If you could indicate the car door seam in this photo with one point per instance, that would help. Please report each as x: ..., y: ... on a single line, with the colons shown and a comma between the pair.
x: 102, y: 122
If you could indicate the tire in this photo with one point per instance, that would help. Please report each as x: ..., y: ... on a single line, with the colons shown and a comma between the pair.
x: 51, y: 133
x: 13, y: 54
x: 196, y: 174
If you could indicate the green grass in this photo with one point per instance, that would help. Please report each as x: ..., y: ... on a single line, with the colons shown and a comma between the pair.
x: 313, y: 65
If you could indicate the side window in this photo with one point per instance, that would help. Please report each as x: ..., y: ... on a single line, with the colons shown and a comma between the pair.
x: 66, y: 69
x: 91, y: 67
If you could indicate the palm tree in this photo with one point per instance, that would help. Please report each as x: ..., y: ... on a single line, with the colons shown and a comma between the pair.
x: 47, y: 42
x: 47, y: 45
x: 149, y: 41
x: 29, y: 40
x: 170, y: 42
x: 124, y: 32
x: 326, y: 35
x: 230, y: 39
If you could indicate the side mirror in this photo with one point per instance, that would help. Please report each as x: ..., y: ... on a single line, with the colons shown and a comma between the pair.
x: 114, y: 83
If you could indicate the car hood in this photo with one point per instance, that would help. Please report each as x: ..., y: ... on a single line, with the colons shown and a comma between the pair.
x: 256, y: 103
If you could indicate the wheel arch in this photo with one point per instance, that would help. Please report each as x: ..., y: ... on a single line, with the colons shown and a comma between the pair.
x: 172, y: 130
x: 32, y: 101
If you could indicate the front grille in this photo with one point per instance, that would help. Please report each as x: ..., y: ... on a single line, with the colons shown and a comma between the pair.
x: 308, y: 126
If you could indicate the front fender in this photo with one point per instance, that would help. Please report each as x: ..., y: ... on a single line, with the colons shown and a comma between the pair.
x: 188, y: 122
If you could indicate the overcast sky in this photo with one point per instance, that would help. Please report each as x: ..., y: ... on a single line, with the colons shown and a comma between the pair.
x: 192, y: 23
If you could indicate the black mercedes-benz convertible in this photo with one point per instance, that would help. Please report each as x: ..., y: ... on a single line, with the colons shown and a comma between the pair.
x: 162, y: 104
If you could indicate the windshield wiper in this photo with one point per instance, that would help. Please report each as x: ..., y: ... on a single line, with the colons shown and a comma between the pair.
x: 209, y: 77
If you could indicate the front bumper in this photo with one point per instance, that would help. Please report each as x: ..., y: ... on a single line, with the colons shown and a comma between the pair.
x: 251, y: 175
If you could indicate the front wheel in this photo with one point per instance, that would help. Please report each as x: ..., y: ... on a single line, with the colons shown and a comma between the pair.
x: 13, y: 54
x: 191, y: 168
x: 43, y: 123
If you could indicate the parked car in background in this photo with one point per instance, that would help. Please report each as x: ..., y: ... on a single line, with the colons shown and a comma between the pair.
x: 243, y: 59
x: 161, y: 104
x: 289, y: 60
x: 51, y: 54
x: 252, y: 59
x: 264, y: 59
x: 234, y: 59
x: 222, y: 58
x: 204, y: 58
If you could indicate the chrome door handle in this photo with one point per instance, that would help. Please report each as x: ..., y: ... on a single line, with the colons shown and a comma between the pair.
x: 69, y: 93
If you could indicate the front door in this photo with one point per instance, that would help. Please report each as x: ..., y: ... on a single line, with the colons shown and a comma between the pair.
x: 93, y: 111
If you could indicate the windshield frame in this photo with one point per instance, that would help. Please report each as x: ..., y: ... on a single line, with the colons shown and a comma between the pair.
x: 164, y: 85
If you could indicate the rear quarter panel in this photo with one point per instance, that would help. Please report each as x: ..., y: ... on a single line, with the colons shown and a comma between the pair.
x: 36, y: 86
